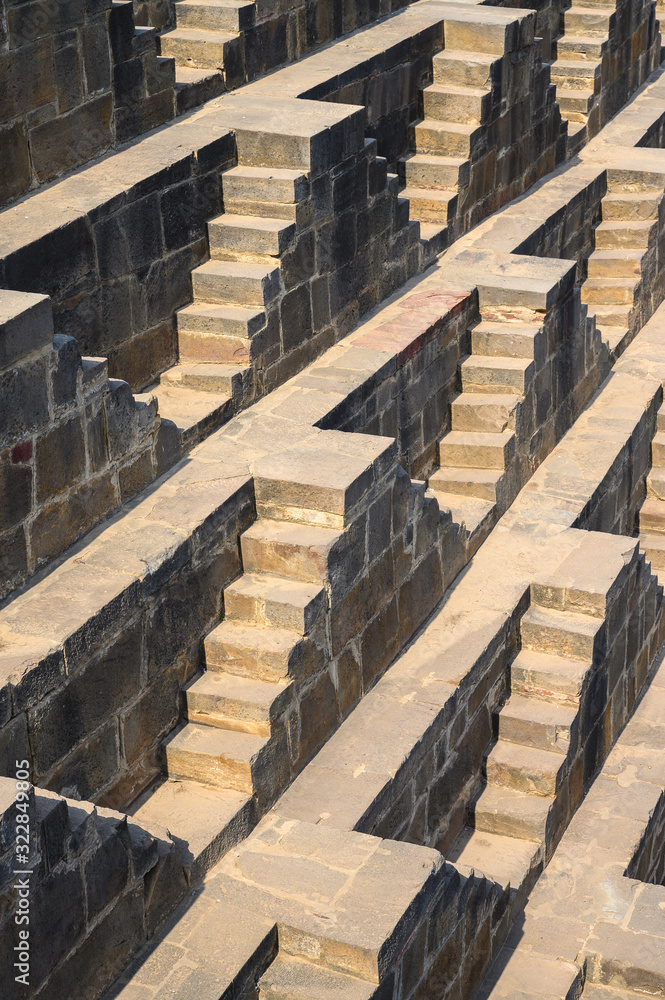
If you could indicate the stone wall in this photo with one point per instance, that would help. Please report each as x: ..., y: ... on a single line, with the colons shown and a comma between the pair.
x: 74, y: 444
x: 76, y: 79
x: 118, y: 264
x: 98, y: 885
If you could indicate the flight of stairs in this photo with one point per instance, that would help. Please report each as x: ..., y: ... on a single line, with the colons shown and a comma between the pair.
x: 231, y: 330
x: 576, y: 71
x: 476, y: 479
x: 651, y: 516
x: 208, y: 47
x: 519, y: 813
x: 454, y: 106
x: 627, y: 234
x: 240, y: 738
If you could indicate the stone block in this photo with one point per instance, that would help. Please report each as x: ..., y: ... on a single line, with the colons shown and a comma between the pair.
x: 96, y: 56
x: 68, y: 77
x: 103, y: 953
x: 130, y: 239
x: 24, y: 399
x: 72, y: 139
x: 15, y: 491
x: 15, y: 171
x: 87, y: 699
x: 60, y: 458
x: 156, y: 712
x: 318, y: 717
x: 64, y: 381
x: 90, y: 767
x: 57, y: 918
x: 61, y: 522
x: 106, y: 871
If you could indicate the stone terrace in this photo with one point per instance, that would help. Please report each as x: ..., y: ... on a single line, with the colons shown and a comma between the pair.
x: 330, y: 622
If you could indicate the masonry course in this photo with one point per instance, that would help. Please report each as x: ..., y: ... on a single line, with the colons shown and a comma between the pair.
x: 330, y: 496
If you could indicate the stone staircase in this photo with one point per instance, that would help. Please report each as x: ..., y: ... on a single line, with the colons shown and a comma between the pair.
x: 236, y: 738
x: 208, y: 47
x: 266, y: 700
x: 477, y: 475
x: 533, y: 769
x: 651, y: 516
x: 230, y: 332
x: 143, y: 82
x: 454, y: 107
x: 576, y: 71
x: 625, y: 252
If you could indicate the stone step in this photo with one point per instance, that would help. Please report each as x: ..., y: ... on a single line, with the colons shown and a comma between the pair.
x: 217, y: 378
x: 615, y: 338
x: 574, y: 101
x: 204, y: 822
x: 448, y: 102
x: 614, y: 264
x: 194, y: 87
x: 562, y: 633
x: 540, y: 724
x: 446, y: 138
x: 481, y: 373
x: 233, y: 283
x: 476, y: 450
x: 249, y: 234
x: 652, y: 516
x: 633, y: 234
x: 660, y: 422
x: 218, y: 757
x: 195, y: 413
x: 423, y: 170
x: 263, y: 599
x: 212, y: 318
x: 283, y: 548
x: 588, y: 21
x: 548, y: 677
x: 576, y: 137
x: 656, y: 477
x: 274, y: 185
x: 484, y: 484
x: 509, y: 861
x: 609, y: 290
x: 463, y: 69
x: 525, y: 769
x: 292, y: 978
x: 614, y: 314
x: 658, y: 449
x: 508, y: 340
x: 434, y: 239
x: 509, y: 813
x: 581, y: 48
x: 219, y: 334
x: 575, y: 73
x: 430, y: 204
x: 216, y: 15
x: 484, y: 412
x: 197, y: 48
x: 251, y: 651
x: 477, y: 517
x: 229, y: 701
x: 654, y: 549
x: 633, y: 206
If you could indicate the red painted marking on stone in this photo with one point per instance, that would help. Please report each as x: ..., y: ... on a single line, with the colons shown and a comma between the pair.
x: 22, y: 452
